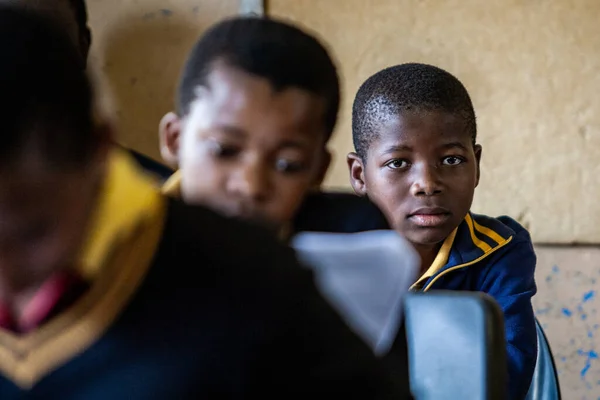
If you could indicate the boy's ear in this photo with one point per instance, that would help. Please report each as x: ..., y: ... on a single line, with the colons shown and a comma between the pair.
x: 357, y: 174
x: 323, y: 168
x: 478, y: 149
x: 169, y: 134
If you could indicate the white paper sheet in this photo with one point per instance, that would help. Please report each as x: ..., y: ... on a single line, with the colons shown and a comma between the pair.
x: 364, y: 276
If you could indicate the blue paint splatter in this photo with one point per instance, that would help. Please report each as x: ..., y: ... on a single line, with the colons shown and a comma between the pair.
x: 548, y: 278
x: 567, y: 312
x: 166, y: 12
x: 590, y: 334
x: 589, y: 296
x: 555, y: 269
x: 563, y: 359
x: 543, y: 311
x: 591, y: 355
x: 585, y: 369
x: 583, y: 317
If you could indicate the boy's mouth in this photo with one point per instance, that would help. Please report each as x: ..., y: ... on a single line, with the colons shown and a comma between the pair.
x: 428, y: 217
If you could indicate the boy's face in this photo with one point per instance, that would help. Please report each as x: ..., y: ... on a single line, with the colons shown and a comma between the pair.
x: 246, y: 150
x: 422, y: 170
x: 43, y: 219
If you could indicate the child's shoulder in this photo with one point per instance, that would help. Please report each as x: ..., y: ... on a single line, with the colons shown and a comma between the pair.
x: 503, y: 227
x: 338, y: 212
x: 201, y: 247
x: 483, y: 239
x: 500, y: 248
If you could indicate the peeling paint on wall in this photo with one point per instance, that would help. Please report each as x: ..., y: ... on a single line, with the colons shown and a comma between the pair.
x: 567, y: 307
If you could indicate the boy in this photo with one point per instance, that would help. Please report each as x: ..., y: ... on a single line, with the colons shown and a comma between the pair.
x: 98, y: 299
x: 257, y: 103
x: 416, y: 157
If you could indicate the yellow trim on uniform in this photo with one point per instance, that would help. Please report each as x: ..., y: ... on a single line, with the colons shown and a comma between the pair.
x: 442, y: 257
x: 440, y: 260
x: 172, y: 187
x: 476, y: 241
x: 124, y: 235
x: 488, y: 232
x: 492, y: 250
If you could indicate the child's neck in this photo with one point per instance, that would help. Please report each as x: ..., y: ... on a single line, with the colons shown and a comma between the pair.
x: 428, y: 253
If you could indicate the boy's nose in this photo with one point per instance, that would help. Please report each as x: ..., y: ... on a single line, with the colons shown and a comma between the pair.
x: 251, y: 181
x: 426, y: 181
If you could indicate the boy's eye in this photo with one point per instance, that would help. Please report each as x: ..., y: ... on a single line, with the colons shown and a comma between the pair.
x: 397, y: 164
x: 223, y: 150
x: 452, y: 160
x: 288, y: 166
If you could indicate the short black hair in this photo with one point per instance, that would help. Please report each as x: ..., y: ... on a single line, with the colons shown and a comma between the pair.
x: 79, y: 8
x: 84, y: 33
x: 272, y: 49
x: 46, y: 99
x: 407, y: 87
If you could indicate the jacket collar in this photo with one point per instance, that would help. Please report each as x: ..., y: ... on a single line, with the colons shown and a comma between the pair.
x: 476, y: 238
x: 124, y: 234
x: 128, y: 199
